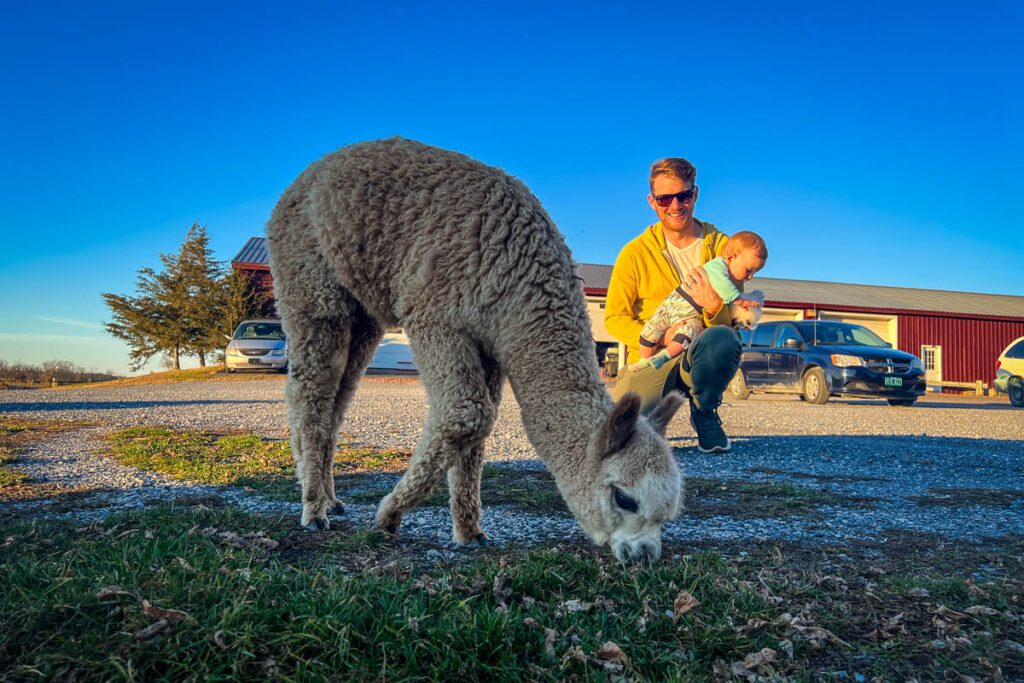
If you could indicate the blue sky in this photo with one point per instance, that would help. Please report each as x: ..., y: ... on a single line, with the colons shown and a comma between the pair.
x: 870, y: 142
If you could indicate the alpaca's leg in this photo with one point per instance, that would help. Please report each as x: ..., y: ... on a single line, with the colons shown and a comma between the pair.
x: 464, y: 474
x: 365, y: 335
x: 461, y: 415
x: 318, y: 353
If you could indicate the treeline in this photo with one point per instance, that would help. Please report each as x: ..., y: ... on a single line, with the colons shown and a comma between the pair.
x: 185, y: 308
x: 63, y: 371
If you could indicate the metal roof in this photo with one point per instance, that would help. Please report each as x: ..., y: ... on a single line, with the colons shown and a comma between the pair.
x: 253, y: 253
x: 804, y: 292
x: 823, y: 294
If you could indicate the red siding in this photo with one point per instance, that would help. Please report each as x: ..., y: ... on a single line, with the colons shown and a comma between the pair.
x: 969, y: 347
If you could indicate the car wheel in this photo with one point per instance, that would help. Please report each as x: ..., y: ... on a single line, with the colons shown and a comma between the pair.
x: 738, y: 387
x: 283, y: 369
x: 904, y: 402
x: 1015, y: 388
x: 815, y: 390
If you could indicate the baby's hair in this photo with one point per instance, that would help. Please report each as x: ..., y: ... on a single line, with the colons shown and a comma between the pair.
x: 743, y: 240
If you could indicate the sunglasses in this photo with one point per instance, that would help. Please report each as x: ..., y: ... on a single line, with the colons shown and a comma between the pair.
x: 665, y: 200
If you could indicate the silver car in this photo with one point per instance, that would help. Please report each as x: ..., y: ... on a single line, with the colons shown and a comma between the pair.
x: 257, y: 345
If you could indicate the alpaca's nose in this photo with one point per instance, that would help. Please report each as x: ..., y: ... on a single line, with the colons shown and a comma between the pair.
x: 637, y: 551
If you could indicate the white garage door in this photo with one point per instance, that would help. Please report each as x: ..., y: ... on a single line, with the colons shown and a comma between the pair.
x: 882, y: 325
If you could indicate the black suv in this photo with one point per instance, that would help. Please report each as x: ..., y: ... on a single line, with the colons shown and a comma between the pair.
x: 821, y: 358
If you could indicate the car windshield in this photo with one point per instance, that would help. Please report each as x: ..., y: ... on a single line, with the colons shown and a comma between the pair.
x: 251, y: 330
x: 842, y: 334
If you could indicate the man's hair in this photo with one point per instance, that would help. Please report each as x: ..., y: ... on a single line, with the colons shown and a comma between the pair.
x: 743, y: 240
x: 674, y: 167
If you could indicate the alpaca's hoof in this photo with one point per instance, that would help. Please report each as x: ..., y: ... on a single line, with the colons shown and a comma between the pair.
x: 337, y: 507
x: 477, y: 541
x: 317, y: 524
x: 388, y: 519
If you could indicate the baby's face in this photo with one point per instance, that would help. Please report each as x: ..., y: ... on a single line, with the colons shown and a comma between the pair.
x: 743, y: 265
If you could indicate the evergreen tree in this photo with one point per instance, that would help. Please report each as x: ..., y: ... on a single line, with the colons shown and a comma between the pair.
x: 174, y: 309
x: 241, y: 301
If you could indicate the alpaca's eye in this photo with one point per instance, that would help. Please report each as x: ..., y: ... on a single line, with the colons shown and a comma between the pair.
x: 624, y: 501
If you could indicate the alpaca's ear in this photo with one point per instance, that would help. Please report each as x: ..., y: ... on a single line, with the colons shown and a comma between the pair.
x: 666, y: 410
x: 618, y: 429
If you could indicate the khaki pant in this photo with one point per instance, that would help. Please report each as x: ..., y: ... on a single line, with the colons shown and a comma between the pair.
x: 703, y: 372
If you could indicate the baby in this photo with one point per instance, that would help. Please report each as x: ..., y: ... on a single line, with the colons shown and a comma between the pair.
x: 744, y: 254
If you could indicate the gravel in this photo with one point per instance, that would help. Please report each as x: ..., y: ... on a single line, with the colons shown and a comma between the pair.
x: 870, y: 459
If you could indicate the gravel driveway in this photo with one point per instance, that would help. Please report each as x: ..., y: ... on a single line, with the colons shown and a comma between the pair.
x: 949, y: 467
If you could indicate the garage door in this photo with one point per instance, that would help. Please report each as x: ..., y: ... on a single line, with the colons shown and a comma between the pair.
x: 882, y: 325
x: 773, y: 314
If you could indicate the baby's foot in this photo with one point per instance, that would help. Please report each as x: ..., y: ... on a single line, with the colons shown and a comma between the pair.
x: 659, y: 359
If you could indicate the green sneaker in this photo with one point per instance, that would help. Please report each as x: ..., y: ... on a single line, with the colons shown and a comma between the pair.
x: 711, y: 437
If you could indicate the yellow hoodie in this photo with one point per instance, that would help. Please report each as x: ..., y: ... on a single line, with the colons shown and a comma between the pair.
x: 641, y: 279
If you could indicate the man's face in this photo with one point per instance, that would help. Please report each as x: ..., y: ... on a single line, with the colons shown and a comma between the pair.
x: 676, y: 216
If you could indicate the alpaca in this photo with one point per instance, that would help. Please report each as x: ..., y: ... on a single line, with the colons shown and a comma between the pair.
x: 464, y: 258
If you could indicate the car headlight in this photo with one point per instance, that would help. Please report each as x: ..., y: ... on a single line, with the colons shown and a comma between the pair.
x: 917, y: 364
x: 234, y: 352
x: 843, y: 361
x: 277, y: 352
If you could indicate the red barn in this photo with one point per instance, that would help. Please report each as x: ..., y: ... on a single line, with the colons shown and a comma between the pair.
x: 958, y: 335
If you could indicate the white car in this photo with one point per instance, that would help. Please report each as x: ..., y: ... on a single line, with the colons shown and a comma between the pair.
x: 393, y: 356
x: 257, y: 345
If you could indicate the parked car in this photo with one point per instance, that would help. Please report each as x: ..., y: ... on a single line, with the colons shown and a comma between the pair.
x: 822, y: 358
x: 393, y: 356
x: 257, y: 345
x: 1010, y: 372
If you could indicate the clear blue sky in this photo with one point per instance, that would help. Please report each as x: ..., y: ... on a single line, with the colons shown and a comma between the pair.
x: 870, y: 142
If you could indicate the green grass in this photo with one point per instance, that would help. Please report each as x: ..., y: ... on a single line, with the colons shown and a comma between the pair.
x: 263, y: 599
x: 263, y: 465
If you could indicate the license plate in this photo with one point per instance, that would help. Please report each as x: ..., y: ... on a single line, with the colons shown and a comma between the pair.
x: 257, y: 361
x: 894, y: 381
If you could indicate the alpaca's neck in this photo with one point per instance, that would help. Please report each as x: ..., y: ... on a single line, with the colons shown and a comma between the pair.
x: 562, y: 401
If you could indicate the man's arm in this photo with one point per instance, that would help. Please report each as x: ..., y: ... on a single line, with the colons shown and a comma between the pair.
x: 619, y: 318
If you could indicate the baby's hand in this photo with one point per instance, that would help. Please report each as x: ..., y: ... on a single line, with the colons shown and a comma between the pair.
x: 743, y: 302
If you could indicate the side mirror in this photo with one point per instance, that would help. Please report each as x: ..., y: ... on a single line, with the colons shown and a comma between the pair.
x: 888, y: 345
x: 228, y: 337
x: 793, y: 344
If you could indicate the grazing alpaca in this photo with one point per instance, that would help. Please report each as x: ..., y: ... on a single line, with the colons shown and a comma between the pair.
x: 465, y: 259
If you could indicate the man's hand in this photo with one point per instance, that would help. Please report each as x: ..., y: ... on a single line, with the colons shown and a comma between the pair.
x: 697, y: 285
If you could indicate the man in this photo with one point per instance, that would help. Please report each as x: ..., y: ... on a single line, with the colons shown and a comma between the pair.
x: 667, y: 255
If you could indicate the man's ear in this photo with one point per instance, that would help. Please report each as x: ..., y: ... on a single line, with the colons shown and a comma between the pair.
x: 620, y: 426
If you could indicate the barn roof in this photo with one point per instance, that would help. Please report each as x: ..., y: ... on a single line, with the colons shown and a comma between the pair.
x: 253, y: 254
x: 822, y: 294
x: 781, y: 291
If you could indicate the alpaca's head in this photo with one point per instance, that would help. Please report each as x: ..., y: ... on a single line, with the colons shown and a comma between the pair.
x: 637, y: 484
x: 747, y: 317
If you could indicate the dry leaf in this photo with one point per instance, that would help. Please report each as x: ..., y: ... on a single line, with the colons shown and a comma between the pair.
x: 218, y: 639
x: 572, y: 606
x: 173, y: 616
x: 918, y: 593
x: 530, y: 622
x: 683, y: 603
x: 1015, y: 647
x: 153, y: 630
x: 981, y: 609
x: 108, y: 593
x: 753, y: 624
x: 549, y: 642
x: 612, y: 653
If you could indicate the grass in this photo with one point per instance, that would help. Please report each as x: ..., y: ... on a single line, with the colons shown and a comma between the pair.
x: 257, y: 598
x: 245, y: 460
x: 743, y: 499
x: 959, y: 497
